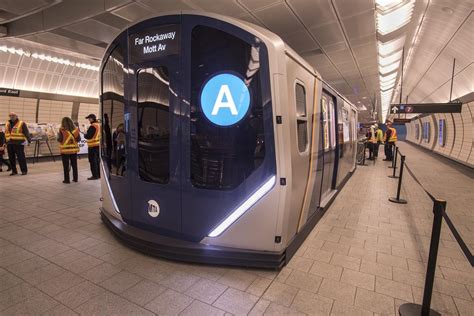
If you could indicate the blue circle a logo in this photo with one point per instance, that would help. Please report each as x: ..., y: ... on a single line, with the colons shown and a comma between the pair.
x: 225, y: 99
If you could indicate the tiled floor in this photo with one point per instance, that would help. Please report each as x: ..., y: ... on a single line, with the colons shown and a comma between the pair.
x: 366, y: 256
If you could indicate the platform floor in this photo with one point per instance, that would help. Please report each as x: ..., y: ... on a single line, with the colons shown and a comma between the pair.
x: 366, y: 256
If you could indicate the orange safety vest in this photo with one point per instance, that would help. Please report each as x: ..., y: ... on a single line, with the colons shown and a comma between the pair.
x: 393, y: 137
x: 95, y: 141
x: 69, y: 144
x: 15, y: 132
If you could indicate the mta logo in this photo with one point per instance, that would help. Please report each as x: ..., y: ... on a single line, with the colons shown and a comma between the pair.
x: 225, y: 99
x: 153, y: 208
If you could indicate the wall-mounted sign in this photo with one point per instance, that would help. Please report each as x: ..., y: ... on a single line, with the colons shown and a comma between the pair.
x: 225, y: 99
x: 401, y: 121
x: 10, y: 92
x: 154, y: 43
x: 453, y: 107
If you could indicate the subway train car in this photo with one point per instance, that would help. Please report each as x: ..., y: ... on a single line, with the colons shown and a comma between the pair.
x: 219, y: 143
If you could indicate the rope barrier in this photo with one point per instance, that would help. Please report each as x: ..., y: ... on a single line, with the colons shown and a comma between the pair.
x: 439, y: 211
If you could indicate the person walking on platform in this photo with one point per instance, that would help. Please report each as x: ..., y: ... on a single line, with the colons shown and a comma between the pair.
x: 3, y: 146
x: 379, y: 140
x: 68, y: 138
x: 390, y: 140
x: 93, y: 141
x: 17, y: 135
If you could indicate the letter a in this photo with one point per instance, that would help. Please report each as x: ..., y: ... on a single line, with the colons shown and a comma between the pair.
x: 229, y: 103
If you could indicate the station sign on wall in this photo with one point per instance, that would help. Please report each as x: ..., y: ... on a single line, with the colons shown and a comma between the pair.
x: 154, y: 43
x: 452, y: 107
x: 10, y: 92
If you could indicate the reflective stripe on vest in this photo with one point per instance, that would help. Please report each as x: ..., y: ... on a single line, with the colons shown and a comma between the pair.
x: 95, y: 140
x: 393, y: 136
x: 379, y: 135
x: 69, y: 144
x: 15, y: 133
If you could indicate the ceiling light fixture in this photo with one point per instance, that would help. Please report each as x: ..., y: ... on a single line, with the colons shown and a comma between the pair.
x: 392, y: 17
x: 389, y: 68
x: 53, y: 59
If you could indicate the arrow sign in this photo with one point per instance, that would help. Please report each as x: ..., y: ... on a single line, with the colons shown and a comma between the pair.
x: 451, y: 107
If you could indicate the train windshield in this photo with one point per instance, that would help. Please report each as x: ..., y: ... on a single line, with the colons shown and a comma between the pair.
x: 227, y: 134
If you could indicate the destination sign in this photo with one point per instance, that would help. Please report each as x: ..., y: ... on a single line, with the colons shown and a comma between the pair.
x: 10, y: 92
x: 154, y: 43
x: 453, y: 107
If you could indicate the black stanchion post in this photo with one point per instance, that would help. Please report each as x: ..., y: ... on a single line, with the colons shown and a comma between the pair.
x: 394, y: 164
x: 397, y: 199
x: 439, y: 206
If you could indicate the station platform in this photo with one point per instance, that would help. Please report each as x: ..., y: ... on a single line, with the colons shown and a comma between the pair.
x: 366, y: 256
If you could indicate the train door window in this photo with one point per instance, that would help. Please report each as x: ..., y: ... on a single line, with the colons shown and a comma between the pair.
x: 301, y: 117
x: 224, y: 154
x: 324, y: 113
x: 113, y: 141
x: 332, y: 123
x: 153, y: 124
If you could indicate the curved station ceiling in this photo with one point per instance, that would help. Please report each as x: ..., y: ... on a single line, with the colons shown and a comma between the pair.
x: 357, y: 46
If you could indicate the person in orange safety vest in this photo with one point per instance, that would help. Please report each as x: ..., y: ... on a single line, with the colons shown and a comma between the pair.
x: 93, y: 142
x: 390, y: 140
x: 68, y: 138
x: 17, y: 136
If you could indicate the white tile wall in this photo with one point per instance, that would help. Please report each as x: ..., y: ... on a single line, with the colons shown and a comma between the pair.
x: 84, y: 110
x: 459, y: 134
x: 53, y: 111
x: 24, y: 107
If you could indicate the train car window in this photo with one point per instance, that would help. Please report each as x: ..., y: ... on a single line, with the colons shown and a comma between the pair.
x: 153, y: 124
x: 224, y: 155
x: 324, y: 113
x: 301, y: 117
x: 113, y: 141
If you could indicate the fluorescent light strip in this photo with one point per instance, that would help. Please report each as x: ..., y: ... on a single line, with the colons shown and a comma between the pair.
x: 389, y: 68
x: 388, y: 48
x: 387, y: 60
x: 243, y: 208
x: 49, y: 58
x: 389, y: 20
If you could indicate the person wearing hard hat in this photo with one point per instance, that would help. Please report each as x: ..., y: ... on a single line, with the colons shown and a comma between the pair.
x: 379, y: 140
x: 390, y: 140
x: 92, y: 137
x: 372, y: 142
x: 17, y: 136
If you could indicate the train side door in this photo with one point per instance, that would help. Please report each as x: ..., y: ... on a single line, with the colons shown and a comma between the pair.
x: 329, y: 146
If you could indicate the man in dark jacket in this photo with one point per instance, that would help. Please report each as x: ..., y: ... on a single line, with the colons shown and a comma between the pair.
x: 93, y: 141
x: 17, y: 135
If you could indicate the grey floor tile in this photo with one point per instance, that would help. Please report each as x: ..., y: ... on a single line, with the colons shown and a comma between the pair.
x: 236, y: 302
x: 143, y: 292
x: 169, y: 303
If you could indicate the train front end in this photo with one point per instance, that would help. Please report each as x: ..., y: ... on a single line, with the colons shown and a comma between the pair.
x: 188, y: 150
